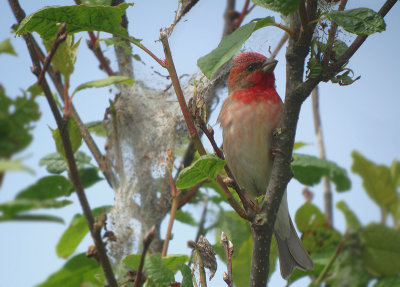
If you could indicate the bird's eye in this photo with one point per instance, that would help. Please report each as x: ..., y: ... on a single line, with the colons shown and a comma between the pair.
x: 252, y: 67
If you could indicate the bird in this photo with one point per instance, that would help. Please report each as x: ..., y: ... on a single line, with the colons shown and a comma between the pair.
x: 248, y: 117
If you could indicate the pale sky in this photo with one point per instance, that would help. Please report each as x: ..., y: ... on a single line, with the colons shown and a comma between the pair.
x: 363, y: 116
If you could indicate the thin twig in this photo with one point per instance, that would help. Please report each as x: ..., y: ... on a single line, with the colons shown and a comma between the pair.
x: 61, y: 36
x: 228, y: 248
x: 322, y: 155
x: 62, y: 125
x: 200, y: 229
x: 229, y: 18
x: 175, y: 200
x: 244, y: 12
x: 331, y: 36
x: 94, y: 149
x: 278, y: 47
x: 189, y: 121
x: 104, y: 63
x: 247, y: 203
x: 146, y: 244
x: 303, y: 15
x: 330, y: 262
x: 189, y: 194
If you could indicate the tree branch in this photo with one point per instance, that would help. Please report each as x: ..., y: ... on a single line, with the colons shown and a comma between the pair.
x: 296, y: 92
x: 62, y: 124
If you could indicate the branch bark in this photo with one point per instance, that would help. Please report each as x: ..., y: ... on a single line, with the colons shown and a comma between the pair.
x: 296, y: 92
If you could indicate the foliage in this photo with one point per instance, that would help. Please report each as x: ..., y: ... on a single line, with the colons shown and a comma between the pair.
x: 358, y: 256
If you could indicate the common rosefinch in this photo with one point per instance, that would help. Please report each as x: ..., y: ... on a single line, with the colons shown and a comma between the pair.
x: 248, y: 117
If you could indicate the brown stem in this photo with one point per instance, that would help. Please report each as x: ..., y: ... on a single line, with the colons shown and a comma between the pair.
x: 146, y: 244
x: 324, y: 271
x: 62, y: 125
x: 82, y: 128
x: 200, y: 229
x: 189, y: 194
x: 303, y: 15
x: 61, y: 36
x: 244, y: 12
x: 104, y: 63
x: 228, y: 248
x: 175, y: 200
x: 322, y: 155
x: 330, y: 71
x: 247, y: 203
x: 331, y: 36
x: 229, y: 18
x: 283, y: 40
x: 296, y: 92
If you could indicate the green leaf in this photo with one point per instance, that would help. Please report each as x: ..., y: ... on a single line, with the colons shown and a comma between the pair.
x: 31, y: 217
x: 185, y: 217
x: 74, y: 136
x: 284, y: 7
x: 344, y: 79
x: 206, y: 167
x: 360, y: 21
x: 314, y: 68
x: 381, y: 250
x: 16, y: 117
x: 97, y: 128
x: 112, y: 80
x: 76, y: 272
x: 22, y: 205
x: 317, y: 236
x: 319, y: 259
x: 14, y: 165
x: 132, y: 260
x: 78, y: 18
x: 395, y: 172
x: 388, y: 282
x: 309, y: 217
x: 352, y: 222
x: 230, y: 45
x: 6, y: 47
x: 65, y: 56
x: 89, y: 176
x: 298, y: 145
x: 186, y: 276
x: 174, y: 261
x: 377, y: 181
x: 157, y: 272
x: 75, y: 232
x: 348, y: 268
x: 55, y: 162
x: 309, y: 170
x: 48, y: 187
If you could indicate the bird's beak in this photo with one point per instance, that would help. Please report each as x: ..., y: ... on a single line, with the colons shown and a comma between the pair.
x: 269, y: 65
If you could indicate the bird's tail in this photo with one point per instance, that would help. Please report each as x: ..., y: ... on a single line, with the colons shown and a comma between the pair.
x: 292, y: 253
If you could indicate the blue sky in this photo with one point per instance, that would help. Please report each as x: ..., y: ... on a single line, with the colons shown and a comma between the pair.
x: 363, y: 116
